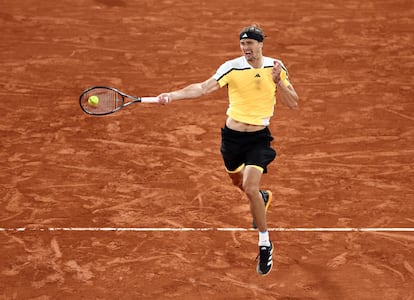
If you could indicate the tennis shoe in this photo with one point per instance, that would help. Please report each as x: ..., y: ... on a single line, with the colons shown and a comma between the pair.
x: 265, y: 263
x: 267, y: 198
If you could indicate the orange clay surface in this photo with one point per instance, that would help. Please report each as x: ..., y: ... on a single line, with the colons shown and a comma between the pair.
x: 345, y: 158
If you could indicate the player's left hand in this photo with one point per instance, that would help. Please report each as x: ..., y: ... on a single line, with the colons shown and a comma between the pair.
x: 277, y: 68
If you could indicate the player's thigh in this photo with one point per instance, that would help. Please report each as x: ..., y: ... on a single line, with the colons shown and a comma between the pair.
x: 251, y: 178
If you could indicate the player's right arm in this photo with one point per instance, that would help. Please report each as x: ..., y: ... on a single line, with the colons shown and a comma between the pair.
x: 194, y: 90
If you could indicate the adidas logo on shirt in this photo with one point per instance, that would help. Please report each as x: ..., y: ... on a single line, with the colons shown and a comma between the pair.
x: 257, y: 75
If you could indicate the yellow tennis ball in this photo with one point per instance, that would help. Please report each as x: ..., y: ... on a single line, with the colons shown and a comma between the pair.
x: 93, y: 100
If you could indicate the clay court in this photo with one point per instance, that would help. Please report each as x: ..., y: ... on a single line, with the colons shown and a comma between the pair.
x: 137, y: 204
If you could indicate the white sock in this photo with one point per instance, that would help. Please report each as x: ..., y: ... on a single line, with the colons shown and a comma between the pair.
x: 264, y: 238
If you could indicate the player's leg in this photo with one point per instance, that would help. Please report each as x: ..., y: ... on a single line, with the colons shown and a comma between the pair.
x: 267, y: 199
x: 233, y: 157
x: 237, y: 177
x: 251, y: 184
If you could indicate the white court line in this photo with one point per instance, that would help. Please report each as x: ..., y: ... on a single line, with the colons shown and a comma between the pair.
x: 322, y: 229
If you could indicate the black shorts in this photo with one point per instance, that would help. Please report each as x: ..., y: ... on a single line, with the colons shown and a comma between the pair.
x: 246, y: 148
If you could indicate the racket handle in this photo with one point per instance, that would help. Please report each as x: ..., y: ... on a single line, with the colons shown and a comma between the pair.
x: 149, y: 99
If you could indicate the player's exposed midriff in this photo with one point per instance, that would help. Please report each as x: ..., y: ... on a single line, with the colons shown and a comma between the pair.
x: 243, y: 127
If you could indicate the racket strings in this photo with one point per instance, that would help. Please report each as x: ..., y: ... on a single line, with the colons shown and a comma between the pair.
x: 109, y: 101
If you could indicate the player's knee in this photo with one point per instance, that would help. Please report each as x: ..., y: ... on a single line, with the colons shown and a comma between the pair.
x: 250, y: 190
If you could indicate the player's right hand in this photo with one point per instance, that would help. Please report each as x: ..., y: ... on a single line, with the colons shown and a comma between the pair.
x: 164, y: 98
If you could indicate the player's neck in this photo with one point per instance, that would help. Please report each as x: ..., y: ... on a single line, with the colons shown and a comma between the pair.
x: 256, y: 62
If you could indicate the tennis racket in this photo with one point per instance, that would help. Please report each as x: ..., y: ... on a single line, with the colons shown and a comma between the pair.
x: 103, y: 100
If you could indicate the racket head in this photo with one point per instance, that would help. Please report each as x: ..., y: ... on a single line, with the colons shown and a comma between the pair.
x: 109, y: 101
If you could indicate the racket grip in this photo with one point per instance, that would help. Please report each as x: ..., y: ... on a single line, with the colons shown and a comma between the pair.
x: 149, y: 99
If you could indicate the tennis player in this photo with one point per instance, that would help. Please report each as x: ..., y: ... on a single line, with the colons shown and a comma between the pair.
x: 253, y: 81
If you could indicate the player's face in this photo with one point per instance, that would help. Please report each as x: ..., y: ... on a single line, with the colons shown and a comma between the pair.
x: 251, y: 49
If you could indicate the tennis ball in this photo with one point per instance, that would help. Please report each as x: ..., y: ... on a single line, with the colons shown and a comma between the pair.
x: 93, y: 100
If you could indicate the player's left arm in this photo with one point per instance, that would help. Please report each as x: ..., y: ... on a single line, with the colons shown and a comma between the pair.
x: 285, y: 90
